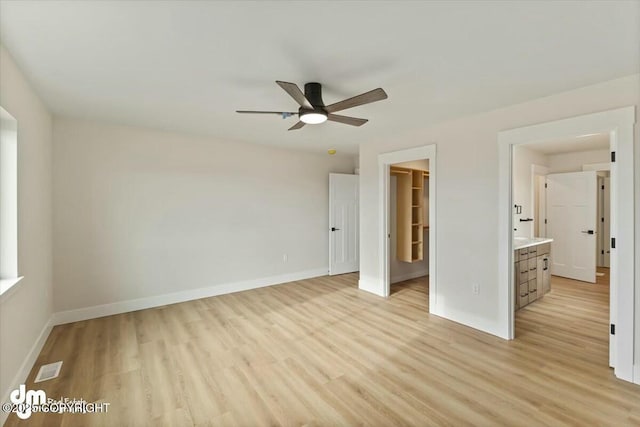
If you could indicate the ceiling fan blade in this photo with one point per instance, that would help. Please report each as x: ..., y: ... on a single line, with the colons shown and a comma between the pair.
x: 365, y: 98
x: 353, y: 121
x: 294, y: 91
x: 297, y: 125
x: 280, y: 113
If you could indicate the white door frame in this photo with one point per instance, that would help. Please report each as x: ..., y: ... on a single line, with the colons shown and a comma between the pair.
x: 619, y: 124
x: 385, y: 161
x: 537, y: 170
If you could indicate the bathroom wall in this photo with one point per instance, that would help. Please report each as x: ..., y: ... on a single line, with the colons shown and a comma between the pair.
x: 572, y: 162
x: 523, y: 160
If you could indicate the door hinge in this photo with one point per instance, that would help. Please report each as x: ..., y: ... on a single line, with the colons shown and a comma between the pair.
x: 603, y: 187
x: 602, y: 252
x: 602, y: 219
x: 545, y: 185
x: 613, y: 243
x: 545, y: 220
x: 613, y: 329
x: 613, y: 156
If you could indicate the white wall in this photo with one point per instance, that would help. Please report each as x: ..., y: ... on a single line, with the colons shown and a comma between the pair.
x: 467, y: 190
x: 572, y: 162
x: 26, y: 308
x: 140, y: 213
x: 523, y: 159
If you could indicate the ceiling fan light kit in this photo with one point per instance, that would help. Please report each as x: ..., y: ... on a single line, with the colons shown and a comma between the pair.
x: 312, y: 109
x: 313, y: 118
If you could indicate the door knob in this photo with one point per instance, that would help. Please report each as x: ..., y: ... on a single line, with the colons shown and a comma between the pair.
x: 334, y: 229
x: 588, y: 231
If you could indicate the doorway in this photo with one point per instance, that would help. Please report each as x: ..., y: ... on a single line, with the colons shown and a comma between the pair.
x: 596, y: 149
x: 385, y: 161
x: 409, y: 223
x: 567, y: 210
x: 618, y: 125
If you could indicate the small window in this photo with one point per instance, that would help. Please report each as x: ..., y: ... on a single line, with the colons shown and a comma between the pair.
x: 8, y: 201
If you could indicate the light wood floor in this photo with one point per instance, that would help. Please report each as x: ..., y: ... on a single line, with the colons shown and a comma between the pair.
x: 320, y: 352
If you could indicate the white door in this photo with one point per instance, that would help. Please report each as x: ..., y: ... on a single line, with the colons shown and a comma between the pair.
x: 600, y: 221
x: 541, y: 213
x: 343, y: 223
x: 571, y: 215
x: 606, y: 209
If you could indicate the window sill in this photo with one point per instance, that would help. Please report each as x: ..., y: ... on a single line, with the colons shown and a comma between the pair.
x: 7, y: 284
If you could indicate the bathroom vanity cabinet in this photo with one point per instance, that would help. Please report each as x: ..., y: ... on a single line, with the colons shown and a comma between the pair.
x: 532, y: 270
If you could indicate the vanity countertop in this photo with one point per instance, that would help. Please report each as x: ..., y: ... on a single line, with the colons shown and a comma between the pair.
x: 525, y: 242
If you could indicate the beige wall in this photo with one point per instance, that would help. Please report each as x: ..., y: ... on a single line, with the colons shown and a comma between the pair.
x: 26, y: 308
x: 140, y: 213
x: 467, y: 197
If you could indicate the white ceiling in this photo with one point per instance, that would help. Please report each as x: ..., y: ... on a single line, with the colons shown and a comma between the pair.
x: 186, y: 66
x: 597, y: 141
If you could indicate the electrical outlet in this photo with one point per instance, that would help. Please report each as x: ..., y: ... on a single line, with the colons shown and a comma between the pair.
x: 285, y: 258
x: 475, y: 288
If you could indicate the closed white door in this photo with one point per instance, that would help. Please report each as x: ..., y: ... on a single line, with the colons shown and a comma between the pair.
x: 571, y: 214
x: 343, y: 223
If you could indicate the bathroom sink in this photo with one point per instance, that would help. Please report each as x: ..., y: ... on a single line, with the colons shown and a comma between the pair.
x: 523, y: 242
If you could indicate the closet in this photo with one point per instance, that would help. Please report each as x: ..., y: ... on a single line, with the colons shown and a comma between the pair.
x: 411, y: 213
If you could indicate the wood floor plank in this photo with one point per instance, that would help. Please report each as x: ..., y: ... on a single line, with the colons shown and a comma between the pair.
x: 319, y: 352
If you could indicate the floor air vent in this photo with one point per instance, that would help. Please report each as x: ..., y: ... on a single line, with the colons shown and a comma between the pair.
x: 47, y: 372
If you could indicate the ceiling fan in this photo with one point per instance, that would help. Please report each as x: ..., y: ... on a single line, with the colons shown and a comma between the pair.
x: 312, y: 109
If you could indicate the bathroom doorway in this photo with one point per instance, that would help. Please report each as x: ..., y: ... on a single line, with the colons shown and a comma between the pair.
x: 618, y: 125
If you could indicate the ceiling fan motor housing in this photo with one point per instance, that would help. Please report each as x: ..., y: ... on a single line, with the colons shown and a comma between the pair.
x: 313, y: 93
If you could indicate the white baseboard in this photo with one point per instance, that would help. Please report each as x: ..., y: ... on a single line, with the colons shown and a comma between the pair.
x: 409, y: 276
x: 119, y: 307
x: 636, y: 374
x: 370, y: 285
x: 27, y: 365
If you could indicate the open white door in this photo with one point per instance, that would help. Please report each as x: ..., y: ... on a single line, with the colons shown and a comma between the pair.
x: 606, y: 225
x: 604, y: 230
x: 541, y: 213
x: 571, y: 213
x: 343, y: 223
